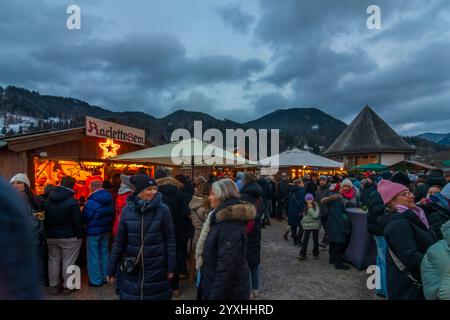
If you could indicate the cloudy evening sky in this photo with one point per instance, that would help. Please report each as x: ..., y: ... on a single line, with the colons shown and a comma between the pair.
x: 237, y: 59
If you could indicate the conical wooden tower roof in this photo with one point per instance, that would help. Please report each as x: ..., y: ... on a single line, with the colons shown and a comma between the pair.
x: 368, y: 133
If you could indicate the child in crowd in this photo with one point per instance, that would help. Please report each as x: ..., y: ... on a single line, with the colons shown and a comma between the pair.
x: 310, y: 224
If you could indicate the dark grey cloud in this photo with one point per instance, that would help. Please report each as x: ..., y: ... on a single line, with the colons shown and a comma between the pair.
x: 133, y: 71
x: 328, y: 58
x: 270, y: 102
x: 234, y: 17
x: 195, y: 101
x: 290, y: 53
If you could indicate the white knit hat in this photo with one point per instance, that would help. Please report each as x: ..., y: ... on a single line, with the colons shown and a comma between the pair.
x: 21, y: 177
x: 347, y: 182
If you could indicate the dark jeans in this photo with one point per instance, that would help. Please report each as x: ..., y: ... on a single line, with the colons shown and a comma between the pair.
x: 280, y: 208
x: 181, y: 262
x: 323, y: 220
x: 337, y: 253
x: 273, y: 209
x: 306, y: 234
x: 297, y: 233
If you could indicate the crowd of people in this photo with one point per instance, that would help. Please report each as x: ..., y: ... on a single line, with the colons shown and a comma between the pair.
x: 407, y: 215
x: 153, y: 232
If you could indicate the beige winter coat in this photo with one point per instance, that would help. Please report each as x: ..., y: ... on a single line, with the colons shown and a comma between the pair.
x: 198, y: 216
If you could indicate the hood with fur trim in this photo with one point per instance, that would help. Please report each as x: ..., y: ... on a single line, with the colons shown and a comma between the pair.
x: 237, y: 212
x: 196, y: 202
x: 169, y: 181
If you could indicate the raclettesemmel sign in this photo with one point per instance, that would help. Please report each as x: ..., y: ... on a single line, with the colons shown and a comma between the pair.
x: 110, y: 130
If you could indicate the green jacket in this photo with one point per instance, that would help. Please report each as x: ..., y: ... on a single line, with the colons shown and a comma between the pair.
x: 311, y: 220
x: 435, y: 268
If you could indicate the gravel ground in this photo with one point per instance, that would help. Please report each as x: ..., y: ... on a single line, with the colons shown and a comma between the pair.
x: 283, y: 277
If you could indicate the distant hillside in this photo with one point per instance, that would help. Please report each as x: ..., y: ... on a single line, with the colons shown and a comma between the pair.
x: 23, y: 111
x: 439, y: 138
x: 425, y: 148
x: 302, y: 126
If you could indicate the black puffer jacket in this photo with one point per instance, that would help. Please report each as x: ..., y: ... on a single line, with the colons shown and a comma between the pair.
x: 311, y: 187
x: 365, y: 194
x: 282, y: 190
x: 436, y: 216
x: 322, y: 192
x: 154, y: 226
x: 178, y: 203
x: 265, y: 187
x: 409, y: 240
x: 252, y: 193
x: 338, y: 223
x: 63, y: 218
x: 376, y: 209
x: 225, y: 272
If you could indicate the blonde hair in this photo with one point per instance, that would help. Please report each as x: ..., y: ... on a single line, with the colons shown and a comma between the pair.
x: 225, y: 189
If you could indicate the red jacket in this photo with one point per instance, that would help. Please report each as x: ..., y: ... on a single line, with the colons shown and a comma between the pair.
x: 120, y: 203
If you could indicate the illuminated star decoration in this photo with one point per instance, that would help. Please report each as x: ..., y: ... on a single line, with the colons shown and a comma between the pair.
x: 109, y: 148
x: 77, y: 173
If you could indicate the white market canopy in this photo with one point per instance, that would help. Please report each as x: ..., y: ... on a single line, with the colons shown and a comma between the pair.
x: 181, y: 153
x: 299, y: 158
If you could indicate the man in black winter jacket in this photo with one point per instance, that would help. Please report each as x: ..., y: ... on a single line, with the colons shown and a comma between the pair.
x: 64, y: 229
x: 282, y: 196
x: 265, y: 187
x: 175, y: 199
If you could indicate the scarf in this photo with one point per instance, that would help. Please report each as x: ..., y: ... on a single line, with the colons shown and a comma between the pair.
x: 349, y: 195
x: 418, y: 211
x: 440, y: 200
x: 146, y: 205
x: 201, y: 242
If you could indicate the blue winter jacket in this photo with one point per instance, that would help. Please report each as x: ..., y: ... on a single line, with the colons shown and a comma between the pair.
x: 153, y: 226
x: 99, y: 212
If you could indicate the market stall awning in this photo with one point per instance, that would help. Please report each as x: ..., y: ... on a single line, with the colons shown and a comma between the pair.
x: 181, y: 153
x: 411, y: 165
x: 298, y: 158
x: 377, y: 167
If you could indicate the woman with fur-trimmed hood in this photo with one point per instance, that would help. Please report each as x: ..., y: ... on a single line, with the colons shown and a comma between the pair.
x: 221, y: 253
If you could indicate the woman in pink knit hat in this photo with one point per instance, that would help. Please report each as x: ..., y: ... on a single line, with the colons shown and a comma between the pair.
x: 408, y: 235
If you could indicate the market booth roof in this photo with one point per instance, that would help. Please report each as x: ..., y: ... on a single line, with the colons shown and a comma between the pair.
x: 377, y: 167
x: 411, y: 165
x: 181, y: 153
x: 296, y: 158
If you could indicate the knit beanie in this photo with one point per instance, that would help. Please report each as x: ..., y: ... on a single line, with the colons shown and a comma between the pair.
x: 389, y: 190
x: 160, y: 173
x: 402, y: 178
x: 20, y: 177
x: 387, y: 175
x: 309, y: 196
x: 347, y: 183
x: 141, y: 182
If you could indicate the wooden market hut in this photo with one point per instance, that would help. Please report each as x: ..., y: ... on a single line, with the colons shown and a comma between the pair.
x: 411, y: 165
x: 48, y: 155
